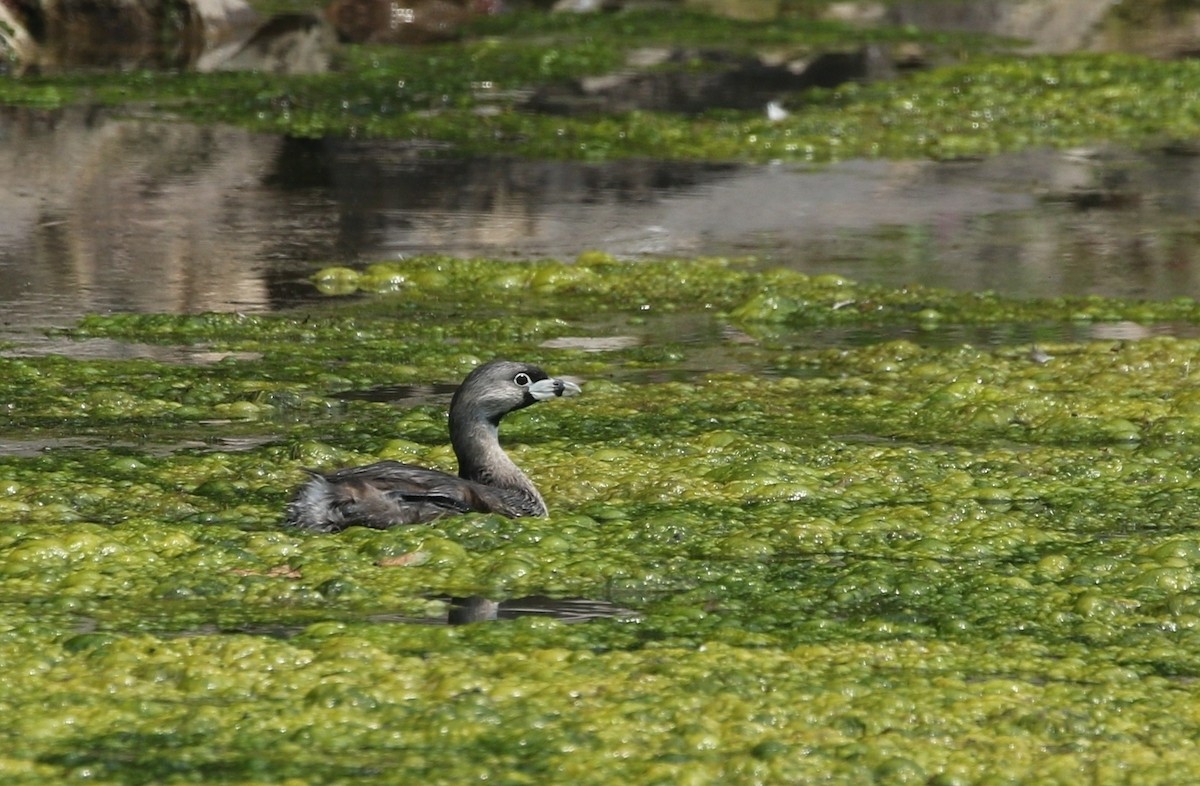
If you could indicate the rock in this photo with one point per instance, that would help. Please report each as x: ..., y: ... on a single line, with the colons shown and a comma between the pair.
x: 284, y: 44
x: 52, y: 35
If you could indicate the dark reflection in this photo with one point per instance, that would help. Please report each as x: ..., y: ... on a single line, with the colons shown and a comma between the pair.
x: 392, y: 200
x: 477, y: 608
x: 459, y: 611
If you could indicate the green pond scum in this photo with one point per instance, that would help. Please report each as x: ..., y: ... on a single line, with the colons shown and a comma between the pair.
x: 908, y: 561
x: 465, y: 97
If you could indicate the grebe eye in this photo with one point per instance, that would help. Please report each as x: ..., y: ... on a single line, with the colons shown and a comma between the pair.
x: 522, y: 379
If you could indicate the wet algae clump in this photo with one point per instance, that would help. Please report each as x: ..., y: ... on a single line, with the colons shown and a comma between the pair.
x: 906, y: 561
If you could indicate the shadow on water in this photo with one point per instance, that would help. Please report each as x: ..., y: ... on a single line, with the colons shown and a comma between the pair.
x: 458, y: 611
x: 103, y: 214
x: 477, y: 608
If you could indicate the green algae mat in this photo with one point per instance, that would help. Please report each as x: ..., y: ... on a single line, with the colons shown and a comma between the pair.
x: 913, y: 560
x: 468, y: 97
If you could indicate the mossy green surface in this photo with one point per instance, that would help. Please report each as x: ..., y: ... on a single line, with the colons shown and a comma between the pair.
x: 462, y: 98
x: 907, y: 561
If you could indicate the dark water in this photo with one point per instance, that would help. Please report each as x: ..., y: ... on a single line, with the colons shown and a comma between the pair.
x: 100, y: 214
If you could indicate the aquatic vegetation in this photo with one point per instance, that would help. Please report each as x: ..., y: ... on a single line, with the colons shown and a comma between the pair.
x: 536, y: 295
x: 982, y: 107
x: 465, y: 98
x: 909, y: 562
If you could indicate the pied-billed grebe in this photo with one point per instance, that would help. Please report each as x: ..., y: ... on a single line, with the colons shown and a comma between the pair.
x: 388, y: 493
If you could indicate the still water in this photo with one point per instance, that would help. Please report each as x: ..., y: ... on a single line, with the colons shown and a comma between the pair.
x: 101, y: 213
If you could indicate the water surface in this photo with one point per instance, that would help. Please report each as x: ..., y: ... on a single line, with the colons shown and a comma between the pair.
x: 106, y: 214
